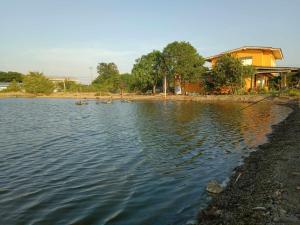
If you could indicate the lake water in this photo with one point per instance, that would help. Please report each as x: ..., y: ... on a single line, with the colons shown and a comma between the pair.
x: 122, y: 163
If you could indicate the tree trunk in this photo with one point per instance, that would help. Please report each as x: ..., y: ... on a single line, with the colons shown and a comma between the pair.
x: 165, y: 86
x: 154, y: 89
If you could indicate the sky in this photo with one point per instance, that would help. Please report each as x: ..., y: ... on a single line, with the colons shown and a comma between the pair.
x: 70, y: 37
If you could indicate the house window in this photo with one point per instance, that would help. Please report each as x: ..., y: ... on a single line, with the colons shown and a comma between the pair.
x: 246, y: 61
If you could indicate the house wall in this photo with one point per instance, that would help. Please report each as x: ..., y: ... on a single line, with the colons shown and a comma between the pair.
x: 259, y: 57
x: 196, y: 87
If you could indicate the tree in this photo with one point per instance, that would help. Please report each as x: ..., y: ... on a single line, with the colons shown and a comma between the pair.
x: 182, y: 59
x: 108, y: 78
x: 106, y: 71
x: 10, y: 76
x: 148, y: 70
x: 37, y: 83
x: 126, y: 82
x: 228, y: 72
x: 14, y: 86
x: 294, y: 79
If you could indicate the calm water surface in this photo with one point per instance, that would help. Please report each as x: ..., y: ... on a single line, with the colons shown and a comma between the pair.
x: 121, y: 163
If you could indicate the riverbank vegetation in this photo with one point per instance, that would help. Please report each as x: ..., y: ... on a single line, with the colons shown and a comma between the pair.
x: 177, y: 60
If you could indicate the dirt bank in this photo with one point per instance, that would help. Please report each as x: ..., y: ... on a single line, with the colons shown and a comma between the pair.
x: 266, y: 188
x: 135, y: 97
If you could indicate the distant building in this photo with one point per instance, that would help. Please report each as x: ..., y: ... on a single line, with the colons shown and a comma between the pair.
x: 63, y: 80
x: 263, y: 59
x: 3, y: 85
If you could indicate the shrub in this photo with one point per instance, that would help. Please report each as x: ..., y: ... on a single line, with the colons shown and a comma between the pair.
x: 37, y: 83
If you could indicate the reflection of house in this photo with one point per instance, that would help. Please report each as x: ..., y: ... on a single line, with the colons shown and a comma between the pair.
x: 264, y: 61
x: 3, y: 85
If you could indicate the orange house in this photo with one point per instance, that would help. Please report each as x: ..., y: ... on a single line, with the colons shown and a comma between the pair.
x: 264, y: 61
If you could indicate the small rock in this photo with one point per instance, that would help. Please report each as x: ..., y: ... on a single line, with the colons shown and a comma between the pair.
x: 214, y: 187
x: 191, y: 222
x: 259, y: 208
x: 282, y: 212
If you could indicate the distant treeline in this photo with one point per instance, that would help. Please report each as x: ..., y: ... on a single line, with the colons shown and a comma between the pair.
x: 10, y: 76
x: 177, y: 59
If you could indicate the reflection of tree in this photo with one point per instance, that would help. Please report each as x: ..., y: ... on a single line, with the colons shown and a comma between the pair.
x: 170, y: 132
x: 235, y: 127
x: 256, y: 125
x: 176, y: 134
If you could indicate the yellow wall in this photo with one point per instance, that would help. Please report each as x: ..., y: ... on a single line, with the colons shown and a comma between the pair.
x: 259, y: 57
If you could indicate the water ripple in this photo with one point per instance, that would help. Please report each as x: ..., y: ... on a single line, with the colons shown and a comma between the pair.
x: 139, y: 163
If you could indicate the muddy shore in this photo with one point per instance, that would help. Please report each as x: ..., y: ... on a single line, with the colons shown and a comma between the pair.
x: 266, y: 188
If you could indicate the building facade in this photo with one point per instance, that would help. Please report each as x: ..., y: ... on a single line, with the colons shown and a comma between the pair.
x: 263, y: 59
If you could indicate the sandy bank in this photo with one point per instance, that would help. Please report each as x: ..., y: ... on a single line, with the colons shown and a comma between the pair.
x: 135, y: 97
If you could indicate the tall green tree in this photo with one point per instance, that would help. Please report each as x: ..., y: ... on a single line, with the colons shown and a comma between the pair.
x: 126, y: 82
x: 148, y: 70
x: 37, y: 83
x: 182, y: 59
x: 106, y: 71
x: 229, y: 72
x: 108, y: 77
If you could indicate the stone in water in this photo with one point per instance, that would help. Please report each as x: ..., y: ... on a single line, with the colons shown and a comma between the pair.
x: 214, y: 187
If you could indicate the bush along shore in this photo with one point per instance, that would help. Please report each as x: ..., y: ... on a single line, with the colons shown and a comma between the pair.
x: 266, y: 188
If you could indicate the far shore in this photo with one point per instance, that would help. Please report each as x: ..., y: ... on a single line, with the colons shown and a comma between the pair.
x: 137, y: 97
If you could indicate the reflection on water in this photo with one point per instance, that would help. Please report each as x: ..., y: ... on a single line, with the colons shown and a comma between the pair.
x: 121, y: 163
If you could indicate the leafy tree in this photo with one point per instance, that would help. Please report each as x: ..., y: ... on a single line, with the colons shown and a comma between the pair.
x: 106, y: 71
x: 66, y: 85
x: 148, y: 70
x: 10, y: 76
x: 108, y: 78
x: 294, y: 79
x: 14, y: 86
x: 229, y: 72
x: 182, y: 59
x: 126, y: 82
x: 37, y: 83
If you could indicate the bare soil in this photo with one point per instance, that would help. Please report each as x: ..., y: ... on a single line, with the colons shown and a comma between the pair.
x: 137, y: 97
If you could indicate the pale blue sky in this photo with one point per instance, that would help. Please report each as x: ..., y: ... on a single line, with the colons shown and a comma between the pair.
x: 66, y: 37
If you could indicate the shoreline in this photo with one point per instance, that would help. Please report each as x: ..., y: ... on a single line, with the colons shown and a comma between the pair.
x: 265, y: 189
x: 158, y: 97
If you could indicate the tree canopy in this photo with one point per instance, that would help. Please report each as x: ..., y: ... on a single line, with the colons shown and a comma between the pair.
x: 148, y: 70
x: 108, y: 77
x: 182, y: 59
x: 37, y: 83
x: 228, y: 72
x: 106, y: 71
x: 10, y: 76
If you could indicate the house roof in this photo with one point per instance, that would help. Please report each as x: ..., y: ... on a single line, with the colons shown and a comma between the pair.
x: 277, y: 52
